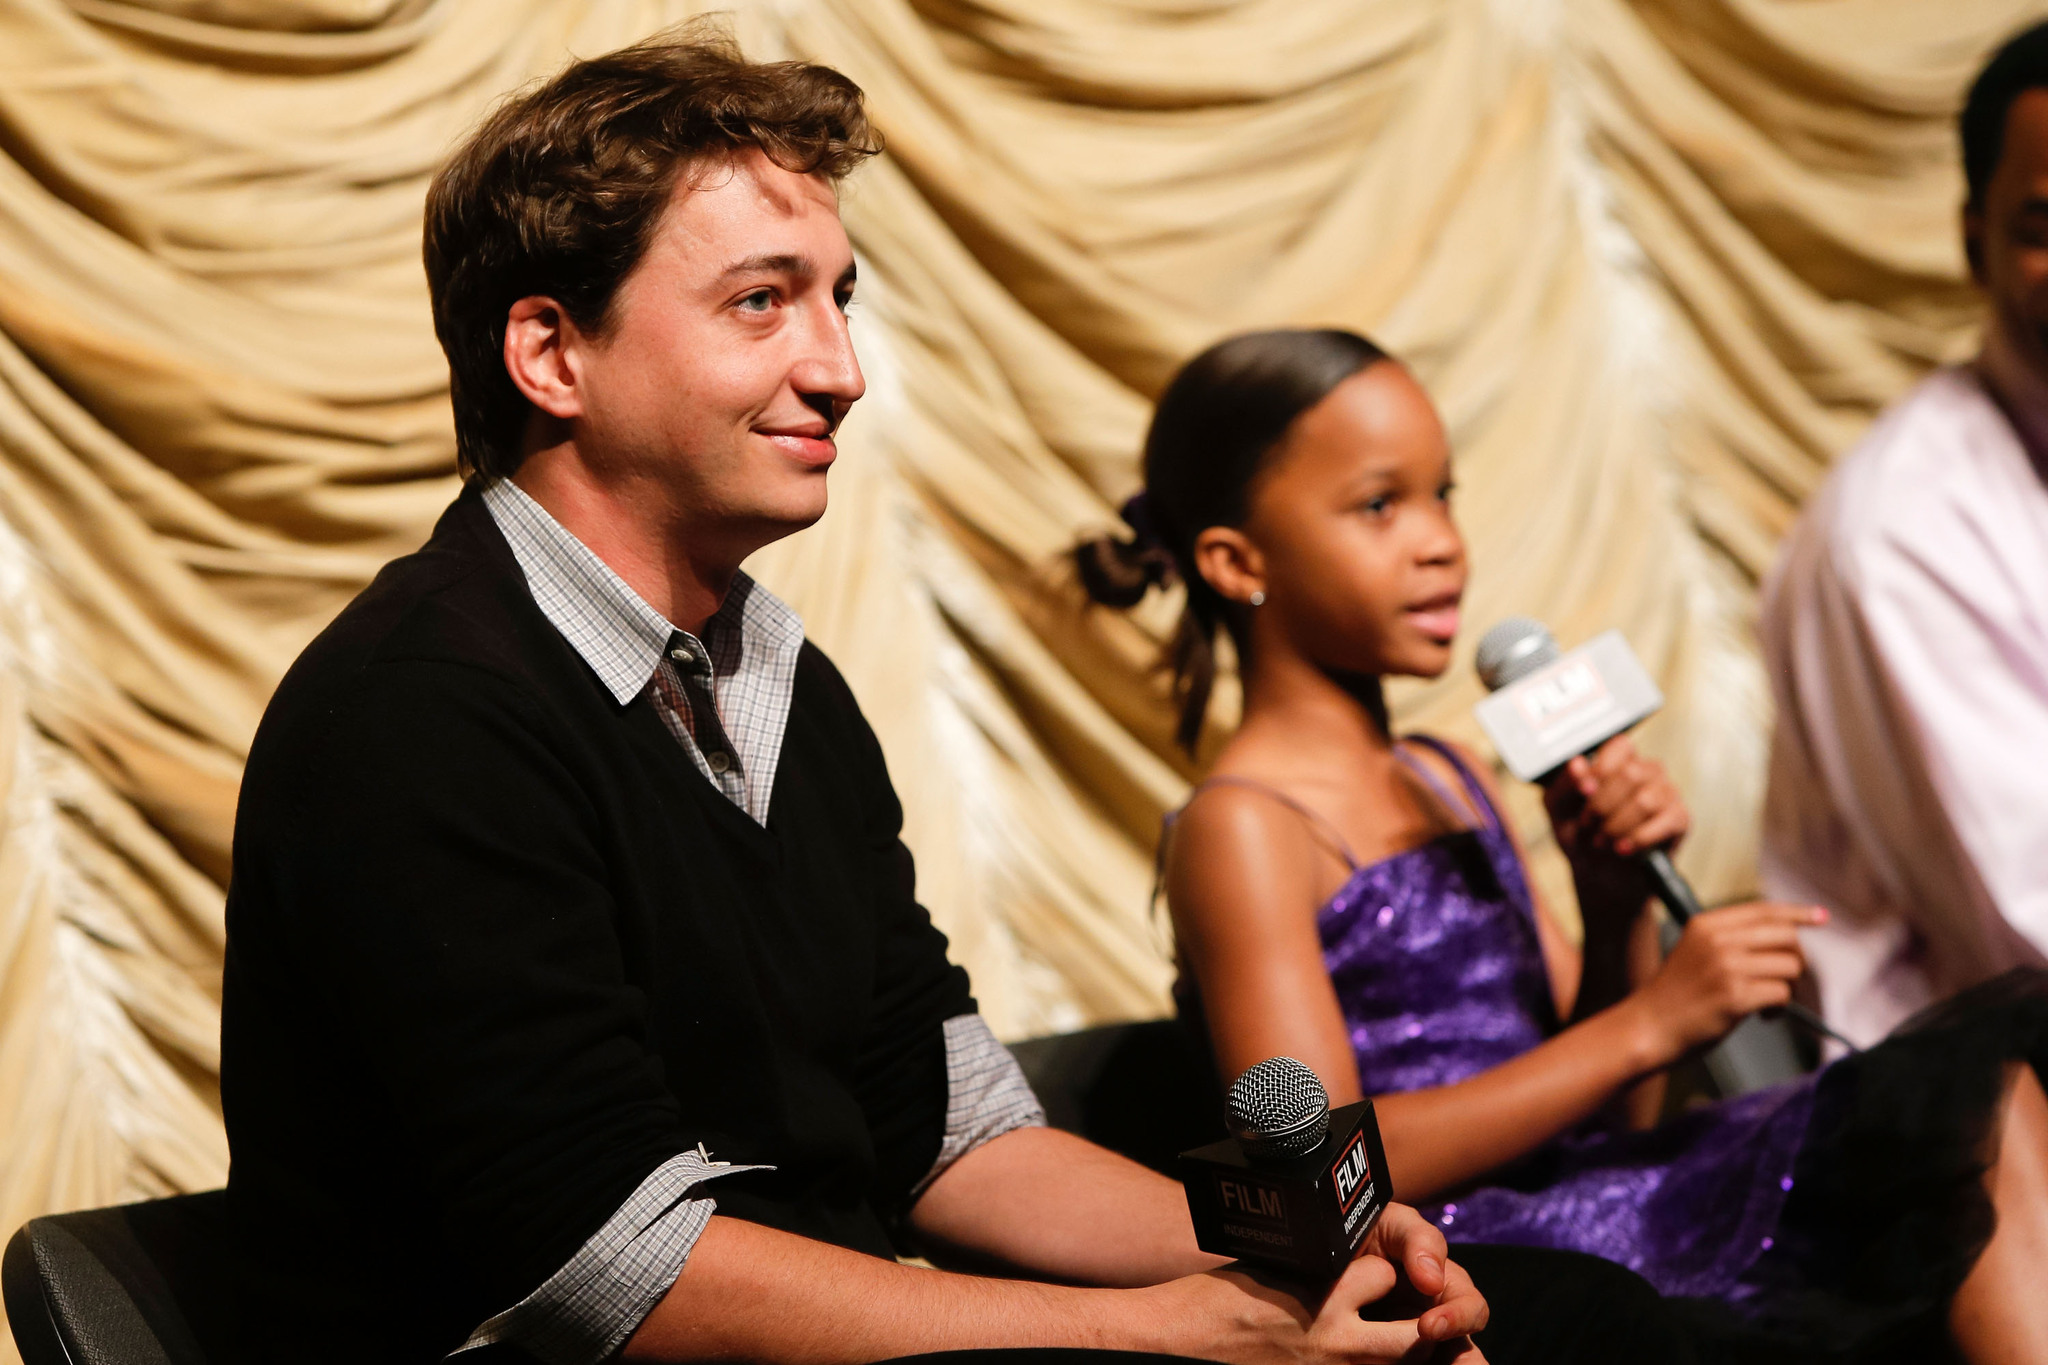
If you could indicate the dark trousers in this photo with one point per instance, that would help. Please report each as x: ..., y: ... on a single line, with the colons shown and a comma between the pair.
x: 1562, y: 1306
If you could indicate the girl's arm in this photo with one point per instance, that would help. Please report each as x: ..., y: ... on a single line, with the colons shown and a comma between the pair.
x: 1601, y: 809
x: 1604, y: 810
x: 1244, y: 879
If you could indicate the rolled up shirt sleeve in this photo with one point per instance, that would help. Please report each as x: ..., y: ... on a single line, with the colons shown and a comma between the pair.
x: 986, y: 1094
x: 1968, y: 666
x: 584, y: 1312
x: 1908, y: 789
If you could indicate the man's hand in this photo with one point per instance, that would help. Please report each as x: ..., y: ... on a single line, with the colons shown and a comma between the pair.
x: 755, y: 1293
x: 1406, y: 1239
x: 1239, y: 1316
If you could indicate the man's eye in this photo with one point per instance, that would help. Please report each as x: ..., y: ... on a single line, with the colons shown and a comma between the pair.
x: 760, y: 301
x: 1444, y: 494
x: 1378, y: 506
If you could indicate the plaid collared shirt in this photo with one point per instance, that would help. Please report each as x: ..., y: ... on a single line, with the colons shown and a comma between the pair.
x: 726, y: 698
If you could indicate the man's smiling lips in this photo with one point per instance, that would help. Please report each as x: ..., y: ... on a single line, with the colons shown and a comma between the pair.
x: 1436, y: 617
x: 808, y: 443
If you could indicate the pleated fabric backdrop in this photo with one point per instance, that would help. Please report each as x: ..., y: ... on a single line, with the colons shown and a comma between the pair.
x: 1659, y: 262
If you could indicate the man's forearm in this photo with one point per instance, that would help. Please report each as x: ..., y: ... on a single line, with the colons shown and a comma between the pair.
x: 1035, y: 1201
x: 1052, y: 1205
x: 1046, y: 1203
x: 753, y: 1293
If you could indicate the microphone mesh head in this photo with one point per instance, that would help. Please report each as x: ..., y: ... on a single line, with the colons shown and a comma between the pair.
x: 1278, y: 1109
x: 1513, y: 649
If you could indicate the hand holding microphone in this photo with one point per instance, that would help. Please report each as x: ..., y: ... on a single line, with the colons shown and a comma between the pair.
x: 1616, y: 801
x: 1560, y: 720
x: 1303, y: 1190
x: 1727, y: 965
x: 1549, y: 708
x: 1295, y: 1187
x: 1608, y: 809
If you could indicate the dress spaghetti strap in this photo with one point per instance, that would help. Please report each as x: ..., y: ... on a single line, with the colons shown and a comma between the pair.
x: 1472, y: 803
x: 1324, y: 829
x: 1474, y: 798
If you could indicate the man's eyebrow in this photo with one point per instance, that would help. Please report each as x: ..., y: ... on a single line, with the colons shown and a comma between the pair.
x: 769, y: 263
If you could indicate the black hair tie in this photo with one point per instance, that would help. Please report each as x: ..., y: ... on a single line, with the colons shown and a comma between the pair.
x: 1148, y: 546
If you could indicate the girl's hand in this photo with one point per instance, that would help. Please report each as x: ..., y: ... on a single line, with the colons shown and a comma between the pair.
x: 1729, y: 964
x: 1617, y: 802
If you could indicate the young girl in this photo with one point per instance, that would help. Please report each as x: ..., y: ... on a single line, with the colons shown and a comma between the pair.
x: 1358, y: 901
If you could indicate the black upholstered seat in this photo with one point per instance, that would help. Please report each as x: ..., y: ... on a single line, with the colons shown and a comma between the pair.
x: 138, y: 1284
x: 1145, y: 1090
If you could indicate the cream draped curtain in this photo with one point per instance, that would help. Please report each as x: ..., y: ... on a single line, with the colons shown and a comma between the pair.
x: 1659, y: 262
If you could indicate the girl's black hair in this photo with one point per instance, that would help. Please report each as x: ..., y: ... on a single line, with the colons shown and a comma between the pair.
x: 1214, y: 428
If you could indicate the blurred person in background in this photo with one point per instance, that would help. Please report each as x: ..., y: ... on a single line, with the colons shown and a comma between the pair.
x: 1906, y: 633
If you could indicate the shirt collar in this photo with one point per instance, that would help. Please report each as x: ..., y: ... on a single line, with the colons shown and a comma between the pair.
x: 2018, y: 391
x: 612, y: 627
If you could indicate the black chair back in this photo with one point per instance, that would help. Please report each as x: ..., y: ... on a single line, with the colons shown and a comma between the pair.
x: 1145, y: 1090
x: 138, y: 1284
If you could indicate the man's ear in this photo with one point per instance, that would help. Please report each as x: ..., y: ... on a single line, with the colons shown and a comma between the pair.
x: 1233, y: 566
x: 543, y: 354
x: 1973, y: 241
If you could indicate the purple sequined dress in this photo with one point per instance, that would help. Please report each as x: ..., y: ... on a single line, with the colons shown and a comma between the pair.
x: 1838, y: 1210
x: 1440, y: 976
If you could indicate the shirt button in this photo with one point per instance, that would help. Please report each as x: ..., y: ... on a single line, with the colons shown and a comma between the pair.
x: 719, y: 760
x: 683, y: 655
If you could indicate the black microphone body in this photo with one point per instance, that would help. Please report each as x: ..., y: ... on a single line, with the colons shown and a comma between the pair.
x: 1671, y: 886
x: 1299, y: 1186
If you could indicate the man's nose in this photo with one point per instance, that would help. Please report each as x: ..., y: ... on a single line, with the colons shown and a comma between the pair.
x: 828, y: 366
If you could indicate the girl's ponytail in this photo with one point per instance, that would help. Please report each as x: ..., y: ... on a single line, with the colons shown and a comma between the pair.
x: 1119, y: 572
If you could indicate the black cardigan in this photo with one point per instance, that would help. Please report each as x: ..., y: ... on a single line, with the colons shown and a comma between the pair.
x: 496, y: 950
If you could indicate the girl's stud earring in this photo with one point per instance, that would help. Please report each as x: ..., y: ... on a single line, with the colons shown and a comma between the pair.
x: 1258, y: 599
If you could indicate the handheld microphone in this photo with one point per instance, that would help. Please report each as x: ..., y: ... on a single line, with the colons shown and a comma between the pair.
x: 1296, y: 1187
x: 1548, y: 707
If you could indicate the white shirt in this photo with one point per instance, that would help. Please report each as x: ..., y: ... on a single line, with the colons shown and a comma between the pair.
x: 1906, y: 634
